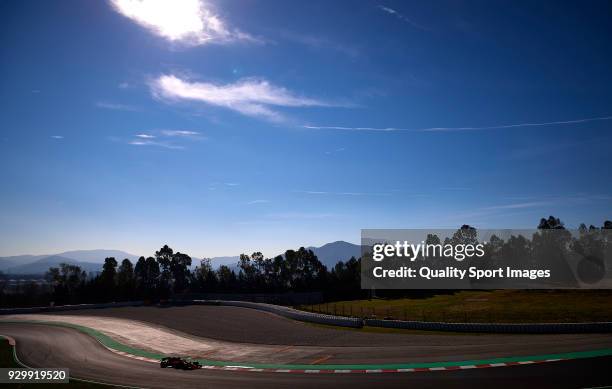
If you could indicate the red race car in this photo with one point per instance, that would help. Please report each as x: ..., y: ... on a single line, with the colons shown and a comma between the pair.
x: 179, y: 363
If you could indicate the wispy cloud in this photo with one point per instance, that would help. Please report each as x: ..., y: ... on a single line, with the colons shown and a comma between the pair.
x: 568, y: 199
x: 517, y: 205
x: 115, y: 106
x: 442, y: 129
x: 169, y: 139
x: 183, y: 133
x: 251, y: 97
x: 319, y: 43
x: 57, y: 136
x: 318, y: 192
x: 258, y: 202
x: 228, y: 185
x: 300, y: 215
x: 190, y: 22
x: 338, y: 150
x: 165, y: 145
x: 403, y: 17
x: 497, y: 210
x: 541, y: 203
x: 455, y: 188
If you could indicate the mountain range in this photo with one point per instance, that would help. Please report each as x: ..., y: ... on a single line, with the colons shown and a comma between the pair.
x: 92, y: 260
x: 329, y: 254
x: 88, y: 260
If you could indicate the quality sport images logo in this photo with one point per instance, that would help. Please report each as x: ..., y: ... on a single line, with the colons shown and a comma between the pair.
x: 489, y: 259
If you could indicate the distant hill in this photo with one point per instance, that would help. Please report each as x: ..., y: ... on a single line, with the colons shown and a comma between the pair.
x: 8, y: 262
x: 331, y: 253
x: 41, y: 265
x: 92, y: 260
x: 231, y: 262
x: 89, y: 260
x: 97, y: 256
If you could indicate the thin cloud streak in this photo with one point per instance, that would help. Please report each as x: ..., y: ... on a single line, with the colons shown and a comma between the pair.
x: 154, y: 143
x: 403, y: 18
x: 249, y: 96
x: 258, y: 202
x: 300, y: 215
x: 115, y: 106
x: 315, y: 192
x: 455, y: 188
x: 318, y: 42
x: 450, y: 129
x: 183, y: 133
x: 165, y: 138
x: 495, y: 209
x: 517, y: 205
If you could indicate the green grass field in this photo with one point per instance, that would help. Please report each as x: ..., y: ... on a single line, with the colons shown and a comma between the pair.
x: 510, y: 306
x: 7, y: 360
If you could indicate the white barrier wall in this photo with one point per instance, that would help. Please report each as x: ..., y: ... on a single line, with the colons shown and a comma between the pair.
x: 293, y: 313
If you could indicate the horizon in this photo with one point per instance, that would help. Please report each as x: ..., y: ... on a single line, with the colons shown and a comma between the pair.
x: 178, y: 250
x: 233, y: 127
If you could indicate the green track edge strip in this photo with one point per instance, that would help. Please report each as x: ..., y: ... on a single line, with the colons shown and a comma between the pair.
x: 107, y: 341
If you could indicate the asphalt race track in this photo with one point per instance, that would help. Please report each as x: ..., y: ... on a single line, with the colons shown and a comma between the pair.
x: 250, y: 326
x: 49, y: 346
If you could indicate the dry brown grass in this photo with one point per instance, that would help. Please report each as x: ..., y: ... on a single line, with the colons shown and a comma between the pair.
x: 510, y: 306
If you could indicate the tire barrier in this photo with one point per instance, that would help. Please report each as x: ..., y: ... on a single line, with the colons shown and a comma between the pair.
x: 507, y: 328
x: 292, y: 313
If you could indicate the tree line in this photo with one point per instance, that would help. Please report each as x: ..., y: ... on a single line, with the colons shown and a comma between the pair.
x: 168, y: 274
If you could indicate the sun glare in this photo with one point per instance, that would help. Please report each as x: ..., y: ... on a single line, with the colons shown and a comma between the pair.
x: 188, y: 21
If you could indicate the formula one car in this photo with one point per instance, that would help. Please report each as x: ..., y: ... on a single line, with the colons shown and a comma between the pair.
x: 179, y: 363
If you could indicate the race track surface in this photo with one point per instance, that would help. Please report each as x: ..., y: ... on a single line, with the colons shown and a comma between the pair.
x: 250, y: 326
x: 50, y: 346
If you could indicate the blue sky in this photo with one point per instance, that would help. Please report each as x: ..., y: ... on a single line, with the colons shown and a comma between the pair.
x: 228, y: 127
